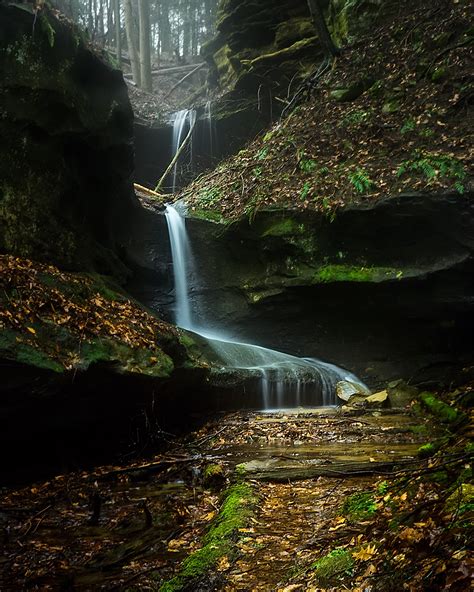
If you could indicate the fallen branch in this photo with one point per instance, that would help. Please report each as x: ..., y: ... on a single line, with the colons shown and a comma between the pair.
x: 176, y: 157
x: 149, y: 192
x: 198, y: 67
x: 172, y: 70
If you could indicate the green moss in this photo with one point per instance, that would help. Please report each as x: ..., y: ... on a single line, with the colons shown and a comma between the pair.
x: 11, y: 347
x: 427, y: 450
x: 207, y: 214
x: 419, y: 430
x: 334, y: 564
x: 352, y: 92
x: 235, y: 512
x: 284, y: 227
x: 439, y: 477
x: 47, y: 29
x: 284, y: 54
x: 359, y: 506
x: 293, y: 30
x: 439, y: 74
x: 153, y: 363
x: 461, y: 500
x: 443, y: 411
x: 347, y: 273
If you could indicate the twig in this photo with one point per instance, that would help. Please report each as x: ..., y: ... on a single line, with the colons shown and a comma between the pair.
x: 176, y: 157
x: 468, y: 41
x: 198, y: 67
x: 206, y: 438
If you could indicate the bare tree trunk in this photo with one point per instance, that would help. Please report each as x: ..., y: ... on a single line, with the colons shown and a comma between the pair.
x: 165, y: 29
x: 145, y: 60
x: 322, y: 29
x: 187, y: 32
x: 118, y: 32
x: 132, y: 48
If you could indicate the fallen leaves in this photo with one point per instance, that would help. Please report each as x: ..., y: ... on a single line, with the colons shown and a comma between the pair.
x: 365, y: 554
x: 35, y: 298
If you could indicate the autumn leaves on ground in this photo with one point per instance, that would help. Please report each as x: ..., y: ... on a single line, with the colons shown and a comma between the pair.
x: 61, y: 321
x: 390, y: 116
x: 205, y: 516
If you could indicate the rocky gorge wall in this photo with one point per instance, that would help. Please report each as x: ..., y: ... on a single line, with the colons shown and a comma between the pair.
x: 66, y: 156
x: 384, y: 290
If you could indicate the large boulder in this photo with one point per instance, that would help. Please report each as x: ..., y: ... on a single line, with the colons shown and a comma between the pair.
x: 66, y: 156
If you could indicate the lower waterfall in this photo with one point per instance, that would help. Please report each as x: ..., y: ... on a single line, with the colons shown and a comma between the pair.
x: 284, y: 381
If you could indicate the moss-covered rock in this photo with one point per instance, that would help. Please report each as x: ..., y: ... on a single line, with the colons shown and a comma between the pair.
x: 235, y: 512
x: 336, y: 564
x: 440, y: 409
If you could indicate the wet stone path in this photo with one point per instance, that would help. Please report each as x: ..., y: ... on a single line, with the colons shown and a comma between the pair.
x: 129, y: 527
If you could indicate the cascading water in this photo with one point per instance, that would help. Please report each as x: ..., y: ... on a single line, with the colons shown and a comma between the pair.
x: 182, y: 120
x: 285, y: 380
x: 209, y: 130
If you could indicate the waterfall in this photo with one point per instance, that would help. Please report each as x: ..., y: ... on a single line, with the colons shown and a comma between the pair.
x: 284, y: 380
x: 181, y: 256
x: 181, y: 120
x: 210, y: 128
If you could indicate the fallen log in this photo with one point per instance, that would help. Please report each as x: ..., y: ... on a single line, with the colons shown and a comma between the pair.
x: 338, y: 470
x: 173, y: 69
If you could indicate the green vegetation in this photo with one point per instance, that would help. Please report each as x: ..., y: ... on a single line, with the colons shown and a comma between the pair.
x: 284, y: 227
x: 209, y: 197
x: 348, y: 273
x: 444, y: 412
x: 360, y: 506
x: 435, y: 166
x: 235, y: 512
x: 361, y: 181
x: 307, y: 165
x: 335, y: 564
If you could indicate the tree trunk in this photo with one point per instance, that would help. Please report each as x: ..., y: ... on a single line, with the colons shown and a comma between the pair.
x: 145, y: 60
x: 322, y: 29
x: 132, y: 48
x: 165, y: 30
x: 118, y: 33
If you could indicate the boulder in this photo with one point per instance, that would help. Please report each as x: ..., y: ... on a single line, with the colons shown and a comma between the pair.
x: 346, y: 389
x: 400, y: 393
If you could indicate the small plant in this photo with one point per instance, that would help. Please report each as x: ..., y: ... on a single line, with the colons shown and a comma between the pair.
x: 305, y: 191
x: 435, y: 166
x: 209, y: 197
x: 323, y: 171
x: 262, y: 154
x: 426, y: 133
x: 408, y: 126
x: 257, y: 172
x: 307, y: 165
x: 360, y: 506
x: 361, y: 181
x: 356, y: 117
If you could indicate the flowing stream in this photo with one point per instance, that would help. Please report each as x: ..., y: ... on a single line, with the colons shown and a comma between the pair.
x: 182, y: 120
x: 284, y: 381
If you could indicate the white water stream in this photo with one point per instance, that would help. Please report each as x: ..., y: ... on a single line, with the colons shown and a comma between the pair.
x: 284, y: 380
x: 182, y: 120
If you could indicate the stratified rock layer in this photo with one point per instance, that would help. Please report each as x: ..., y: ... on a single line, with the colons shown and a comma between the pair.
x: 384, y: 289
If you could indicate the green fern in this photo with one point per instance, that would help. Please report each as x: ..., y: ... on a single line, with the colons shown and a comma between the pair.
x: 361, y: 181
x: 433, y: 166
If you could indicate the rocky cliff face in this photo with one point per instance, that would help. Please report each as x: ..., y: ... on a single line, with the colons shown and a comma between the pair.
x: 66, y: 156
x: 263, y: 52
x: 384, y: 289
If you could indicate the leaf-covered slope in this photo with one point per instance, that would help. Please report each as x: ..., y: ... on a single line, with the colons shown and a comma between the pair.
x: 391, y: 115
x: 62, y: 321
